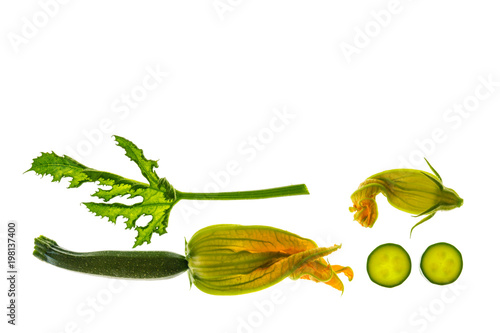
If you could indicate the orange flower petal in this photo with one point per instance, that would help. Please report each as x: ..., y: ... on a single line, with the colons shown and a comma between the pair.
x: 318, y: 270
x: 314, y: 270
x: 346, y: 270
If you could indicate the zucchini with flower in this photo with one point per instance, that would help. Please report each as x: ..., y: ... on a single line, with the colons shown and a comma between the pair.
x: 158, y: 195
x: 412, y: 191
x: 224, y: 259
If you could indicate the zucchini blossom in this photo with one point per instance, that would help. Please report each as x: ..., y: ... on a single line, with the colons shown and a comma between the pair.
x: 412, y: 191
x: 229, y: 259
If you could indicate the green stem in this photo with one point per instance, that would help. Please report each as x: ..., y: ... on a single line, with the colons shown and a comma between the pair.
x: 244, y: 195
x: 121, y: 264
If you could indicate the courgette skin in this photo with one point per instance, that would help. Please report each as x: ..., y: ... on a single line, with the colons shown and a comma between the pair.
x: 118, y: 264
x: 388, y: 265
x: 441, y: 263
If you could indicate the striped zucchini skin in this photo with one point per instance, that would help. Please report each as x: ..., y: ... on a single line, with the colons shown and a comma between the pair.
x: 118, y: 264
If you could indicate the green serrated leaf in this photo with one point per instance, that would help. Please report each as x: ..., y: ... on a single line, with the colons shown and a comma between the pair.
x: 156, y: 203
x: 137, y: 155
x: 59, y: 167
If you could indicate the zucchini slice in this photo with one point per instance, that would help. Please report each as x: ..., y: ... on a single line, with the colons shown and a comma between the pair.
x: 441, y: 263
x: 388, y: 265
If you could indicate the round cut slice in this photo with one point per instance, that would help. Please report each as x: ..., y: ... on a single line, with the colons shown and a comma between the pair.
x: 441, y: 263
x: 388, y: 265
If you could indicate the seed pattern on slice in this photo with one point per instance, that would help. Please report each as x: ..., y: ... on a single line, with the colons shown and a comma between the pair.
x: 388, y: 265
x: 441, y: 263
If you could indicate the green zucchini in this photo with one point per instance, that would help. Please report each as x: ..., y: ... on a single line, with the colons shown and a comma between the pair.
x: 119, y: 264
x: 441, y: 263
x: 388, y: 265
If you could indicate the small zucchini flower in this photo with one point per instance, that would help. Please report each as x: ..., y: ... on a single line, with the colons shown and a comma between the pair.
x: 412, y: 191
x: 225, y: 259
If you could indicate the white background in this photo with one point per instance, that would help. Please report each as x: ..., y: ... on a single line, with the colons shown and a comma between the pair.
x: 230, y: 71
